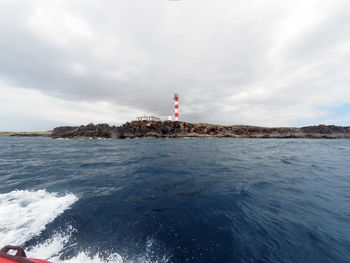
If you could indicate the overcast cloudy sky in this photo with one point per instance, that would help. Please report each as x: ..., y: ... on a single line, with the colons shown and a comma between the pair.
x: 270, y: 63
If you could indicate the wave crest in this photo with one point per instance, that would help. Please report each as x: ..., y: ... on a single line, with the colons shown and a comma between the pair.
x: 25, y: 214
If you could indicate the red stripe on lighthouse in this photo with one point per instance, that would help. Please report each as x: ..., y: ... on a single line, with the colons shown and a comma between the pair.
x: 176, y: 107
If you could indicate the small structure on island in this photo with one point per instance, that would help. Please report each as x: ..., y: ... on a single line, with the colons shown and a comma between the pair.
x: 148, y: 118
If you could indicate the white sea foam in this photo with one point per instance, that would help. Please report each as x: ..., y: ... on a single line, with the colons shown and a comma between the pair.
x: 82, y: 257
x: 24, y: 214
x: 52, y: 249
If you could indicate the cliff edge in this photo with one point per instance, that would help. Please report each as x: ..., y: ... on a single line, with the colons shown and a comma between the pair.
x: 178, y: 129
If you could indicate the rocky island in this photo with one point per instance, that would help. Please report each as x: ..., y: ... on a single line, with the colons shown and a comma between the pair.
x: 179, y: 129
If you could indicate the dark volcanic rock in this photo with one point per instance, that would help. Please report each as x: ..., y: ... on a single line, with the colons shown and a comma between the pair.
x: 325, y: 129
x: 185, y: 129
x: 174, y: 129
x: 151, y: 129
x: 90, y: 130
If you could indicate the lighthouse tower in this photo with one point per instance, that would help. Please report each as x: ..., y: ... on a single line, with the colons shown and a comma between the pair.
x: 176, y: 109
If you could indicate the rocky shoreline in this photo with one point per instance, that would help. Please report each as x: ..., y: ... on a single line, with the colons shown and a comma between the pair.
x: 177, y: 129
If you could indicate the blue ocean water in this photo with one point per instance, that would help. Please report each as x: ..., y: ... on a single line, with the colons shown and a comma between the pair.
x: 176, y: 200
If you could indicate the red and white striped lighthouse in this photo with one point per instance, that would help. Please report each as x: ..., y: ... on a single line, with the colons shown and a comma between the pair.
x: 176, y: 109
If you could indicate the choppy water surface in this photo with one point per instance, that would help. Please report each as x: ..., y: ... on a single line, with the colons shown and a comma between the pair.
x: 176, y: 200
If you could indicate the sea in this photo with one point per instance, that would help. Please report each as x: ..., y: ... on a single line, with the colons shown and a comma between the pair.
x: 176, y: 200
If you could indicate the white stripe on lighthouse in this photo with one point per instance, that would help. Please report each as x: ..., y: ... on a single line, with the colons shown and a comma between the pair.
x: 176, y: 107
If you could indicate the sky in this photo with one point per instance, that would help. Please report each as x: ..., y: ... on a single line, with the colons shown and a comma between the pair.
x: 268, y: 63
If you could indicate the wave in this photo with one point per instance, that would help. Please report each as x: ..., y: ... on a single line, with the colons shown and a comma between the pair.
x: 25, y: 214
x: 53, y: 247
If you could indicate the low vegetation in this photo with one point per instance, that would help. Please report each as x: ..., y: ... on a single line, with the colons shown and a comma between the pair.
x: 36, y: 133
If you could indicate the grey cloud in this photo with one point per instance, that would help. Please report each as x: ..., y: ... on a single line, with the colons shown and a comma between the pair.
x: 140, y: 52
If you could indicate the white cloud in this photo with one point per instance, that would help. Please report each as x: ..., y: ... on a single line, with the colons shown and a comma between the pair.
x: 30, y: 103
x: 53, y: 22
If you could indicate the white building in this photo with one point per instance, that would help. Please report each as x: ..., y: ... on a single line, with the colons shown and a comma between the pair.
x: 148, y: 118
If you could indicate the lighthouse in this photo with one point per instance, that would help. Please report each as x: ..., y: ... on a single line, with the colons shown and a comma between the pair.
x: 176, y: 109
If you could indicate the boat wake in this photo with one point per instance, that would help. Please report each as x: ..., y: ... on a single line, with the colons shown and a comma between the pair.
x: 25, y: 214
x: 31, y: 212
